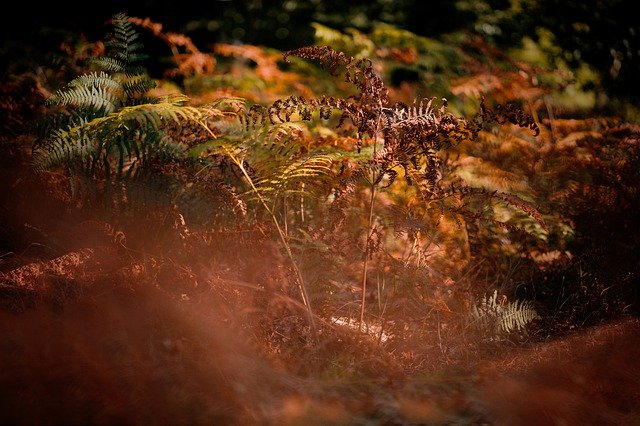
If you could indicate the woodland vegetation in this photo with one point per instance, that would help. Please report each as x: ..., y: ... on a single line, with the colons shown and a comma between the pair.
x: 376, y: 228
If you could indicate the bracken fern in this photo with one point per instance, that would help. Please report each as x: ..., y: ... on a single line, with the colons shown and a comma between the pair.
x: 107, y: 125
x: 493, y: 315
x: 400, y: 140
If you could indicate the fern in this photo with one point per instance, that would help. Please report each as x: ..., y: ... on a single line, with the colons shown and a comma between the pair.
x: 108, y: 143
x: 492, y: 315
x: 97, y: 91
x: 265, y: 161
x: 124, y: 51
x: 517, y: 315
x: 278, y: 162
x: 406, y: 140
x: 120, y: 79
x: 114, y: 126
x: 120, y: 145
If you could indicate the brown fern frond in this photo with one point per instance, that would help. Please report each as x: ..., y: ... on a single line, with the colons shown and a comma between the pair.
x: 191, y: 61
x: 282, y: 109
x: 428, y: 128
x: 520, y: 204
x: 266, y: 62
x: 363, y: 110
x: 256, y: 116
x: 509, y: 113
x: 328, y: 57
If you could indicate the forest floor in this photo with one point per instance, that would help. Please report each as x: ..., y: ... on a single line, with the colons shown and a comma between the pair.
x: 83, y: 342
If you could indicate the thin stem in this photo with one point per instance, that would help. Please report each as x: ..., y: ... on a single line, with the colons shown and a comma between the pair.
x: 369, y: 229
x: 366, y: 250
x: 301, y: 285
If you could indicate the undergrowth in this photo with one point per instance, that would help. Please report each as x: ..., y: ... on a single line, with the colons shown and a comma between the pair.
x: 342, y: 221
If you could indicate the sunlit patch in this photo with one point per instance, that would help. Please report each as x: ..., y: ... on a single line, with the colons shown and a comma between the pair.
x: 371, y: 329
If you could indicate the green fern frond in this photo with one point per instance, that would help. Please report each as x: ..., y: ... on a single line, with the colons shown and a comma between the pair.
x: 137, y: 85
x: 273, y: 155
x: 132, y: 133
x: 61, y: 149
x: 96, y: 91
x: 122, y: 43
x: 286, y: 179
x: 118, y: 80
x: 107, y: 64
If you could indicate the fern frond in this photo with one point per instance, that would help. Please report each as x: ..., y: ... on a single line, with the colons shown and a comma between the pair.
x: 508, y: 113
x: 359, y: 72
x: 119, y: 79
x: 286, y: 179
x: 133, y: 133
x: 121, y: 43
x: 273, y: 154
x: 487, y: 174
x: 508, y: 199
x: 492, y: 315
x: 136, y: 85
x: 61, y: 149
x: 97, y: 91
x: 516, y: 315
x: 108, y: 64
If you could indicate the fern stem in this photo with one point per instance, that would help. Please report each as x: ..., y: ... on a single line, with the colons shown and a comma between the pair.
x: 281, y: 233
x: 365, y: 262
